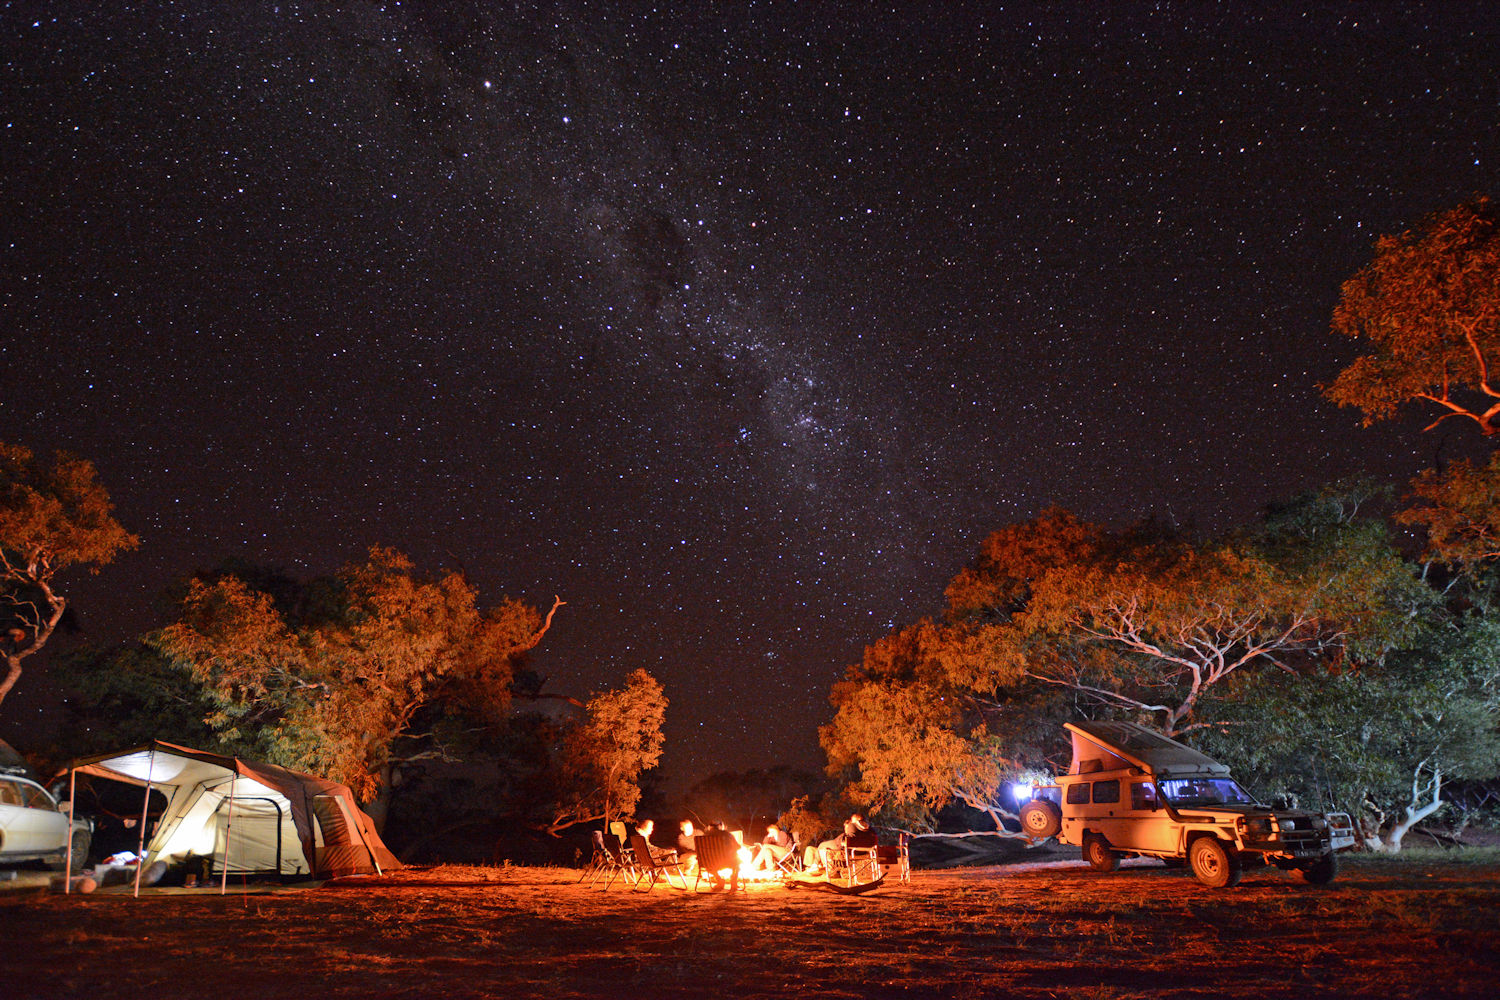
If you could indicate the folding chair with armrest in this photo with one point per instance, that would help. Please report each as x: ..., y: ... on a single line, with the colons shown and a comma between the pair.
x: 897, y: 855
x: 791, y: 862
x: 597, y: 861
x: 717, y: 851
x: 662, y: 865
x: 861, y: 857
x: 620, y: 864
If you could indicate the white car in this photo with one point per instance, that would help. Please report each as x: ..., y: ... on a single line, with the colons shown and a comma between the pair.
x: 33, y: 827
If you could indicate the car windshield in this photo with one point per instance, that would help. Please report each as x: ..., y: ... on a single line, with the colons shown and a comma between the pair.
x: 1205, y: 792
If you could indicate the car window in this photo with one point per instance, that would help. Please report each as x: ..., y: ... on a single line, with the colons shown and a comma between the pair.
x: 1205, y: 792
x: 1078, y: 793
x: 1142, y: 795
x: 10, y: 795
x: 34, y: 797
x: 1107, y: 791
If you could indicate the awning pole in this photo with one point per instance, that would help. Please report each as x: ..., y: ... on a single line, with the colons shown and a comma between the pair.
x: 368, y: 849
x: 68, y: 865
x: 228, y: 825
x: 140, y: 853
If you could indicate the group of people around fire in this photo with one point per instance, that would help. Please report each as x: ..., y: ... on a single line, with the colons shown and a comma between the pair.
x: 774, y: 849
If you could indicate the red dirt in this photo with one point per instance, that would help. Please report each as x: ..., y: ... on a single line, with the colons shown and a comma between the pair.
x: 1056, y: 930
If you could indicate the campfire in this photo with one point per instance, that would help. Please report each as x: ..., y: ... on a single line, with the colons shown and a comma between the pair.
x: 748, y: 873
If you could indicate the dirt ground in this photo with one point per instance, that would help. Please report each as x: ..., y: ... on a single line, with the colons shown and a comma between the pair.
x: 1385, y: 928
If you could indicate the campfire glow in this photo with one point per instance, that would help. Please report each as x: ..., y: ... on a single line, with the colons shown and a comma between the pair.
x: 750, y: 874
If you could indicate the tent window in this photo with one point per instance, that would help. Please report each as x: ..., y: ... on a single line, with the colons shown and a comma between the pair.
x: 331, y: 820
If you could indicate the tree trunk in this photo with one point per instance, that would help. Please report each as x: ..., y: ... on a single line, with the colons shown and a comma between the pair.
x: 1410, y: 817
x: 12, y: 674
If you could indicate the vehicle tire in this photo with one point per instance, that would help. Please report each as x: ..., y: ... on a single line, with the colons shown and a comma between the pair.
x: 1323, y: 870
x: 1041, y: 819
x: 80, y: 859
x: 1097, y: 853
x: 1213, y: 864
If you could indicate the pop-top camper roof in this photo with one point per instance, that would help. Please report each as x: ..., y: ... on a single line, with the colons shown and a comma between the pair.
x: 1112, y: 746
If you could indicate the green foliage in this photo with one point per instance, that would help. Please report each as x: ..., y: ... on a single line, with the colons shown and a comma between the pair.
x: 919, y: 723
x: 747, y: 800
x: 131, y: 694
x: 1384, y: 739
x: 1145, y: 621
x: 813, y: 818
x: 55, y: 516
x: 1428, y: 308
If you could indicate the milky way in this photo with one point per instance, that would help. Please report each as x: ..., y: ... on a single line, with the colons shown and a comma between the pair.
x: 737, y: 328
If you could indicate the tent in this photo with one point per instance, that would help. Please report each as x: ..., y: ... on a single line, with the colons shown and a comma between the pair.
x: 247, y: 816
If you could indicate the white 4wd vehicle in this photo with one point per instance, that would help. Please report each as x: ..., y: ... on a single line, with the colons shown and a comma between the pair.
x: 1133, y: 792
x: 33, y: 827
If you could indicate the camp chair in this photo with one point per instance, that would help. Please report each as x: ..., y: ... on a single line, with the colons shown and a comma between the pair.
x: 619, y: 864
x: 791, y: 864
x: 653, y: 868
x: 717, y: 850
x: 617, y: 827
x: 897, y: 855
x: 860, y: 856
x: 597, y: 861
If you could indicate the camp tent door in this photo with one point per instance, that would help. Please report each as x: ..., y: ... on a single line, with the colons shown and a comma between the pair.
x: 251, y: 834
x: 340, y: 850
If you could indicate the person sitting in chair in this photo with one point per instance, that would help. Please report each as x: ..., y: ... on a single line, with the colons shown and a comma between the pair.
x: 822, y: 855
x: 645, y: 828
x: 687, y: 852
x: 777, y: 845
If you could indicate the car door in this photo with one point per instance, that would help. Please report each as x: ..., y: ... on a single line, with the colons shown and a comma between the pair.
x: 30, y: 818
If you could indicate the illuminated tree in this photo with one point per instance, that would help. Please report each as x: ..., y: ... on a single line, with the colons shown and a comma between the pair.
x: 604, y: 754
x: 919, y: 724
x: 1059, y: 619
x: 51, y: 517
x: 335, y: 684
x: 1146, y: 623
x: 1459, y: 509
x: 1428, y: 307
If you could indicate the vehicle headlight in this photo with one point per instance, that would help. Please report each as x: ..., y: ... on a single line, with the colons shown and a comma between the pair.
x: 1254, y: 826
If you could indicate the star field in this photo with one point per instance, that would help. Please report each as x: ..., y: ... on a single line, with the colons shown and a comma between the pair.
x: 736, y: 326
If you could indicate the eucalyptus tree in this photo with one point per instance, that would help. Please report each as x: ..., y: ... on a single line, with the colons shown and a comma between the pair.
x: 336, y: 680
x: 53, y: 516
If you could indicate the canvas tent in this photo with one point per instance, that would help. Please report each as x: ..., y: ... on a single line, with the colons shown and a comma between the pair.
x: 247, y: 816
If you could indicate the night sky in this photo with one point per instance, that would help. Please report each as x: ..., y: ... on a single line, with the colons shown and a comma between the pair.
x: 737, y: 326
